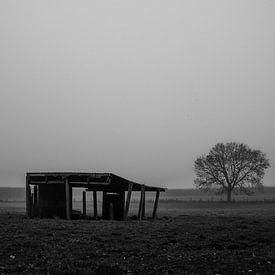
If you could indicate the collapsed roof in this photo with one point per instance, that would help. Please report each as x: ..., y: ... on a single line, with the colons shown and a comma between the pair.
x: 91, y: 181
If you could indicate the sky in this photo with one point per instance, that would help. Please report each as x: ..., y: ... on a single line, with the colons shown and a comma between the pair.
x: 136, y: 88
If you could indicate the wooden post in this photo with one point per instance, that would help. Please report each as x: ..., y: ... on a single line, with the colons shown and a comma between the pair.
x: 32, y: 206
x: 68, y: 199
x: 35, y: 196
x: 141, y: 203
x: 28, y: 198
x: 156, y: 205
x: 111, y: 211
x: 35, y: 201
x: 127, y: 206
x: 84, y: 203
x: 95, y: 204
x: 105, y: 207
x: 143, y: 207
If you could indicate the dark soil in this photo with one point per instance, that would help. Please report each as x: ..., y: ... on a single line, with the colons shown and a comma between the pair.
x: 180, y: 245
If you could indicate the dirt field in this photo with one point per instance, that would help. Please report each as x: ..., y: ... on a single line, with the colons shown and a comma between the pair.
x: 237, y: 239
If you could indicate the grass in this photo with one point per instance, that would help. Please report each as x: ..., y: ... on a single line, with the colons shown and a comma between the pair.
x: 188, y: 238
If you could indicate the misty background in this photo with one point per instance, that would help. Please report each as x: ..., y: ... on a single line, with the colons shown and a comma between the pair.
x: 136, y: 88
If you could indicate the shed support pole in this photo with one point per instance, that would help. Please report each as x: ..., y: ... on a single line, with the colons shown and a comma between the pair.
x: 84, y: 203
x: 35, y: 201
x: 143, y: 207
x: 28, y: 198
x: 35, y: 196
x: 105, y: 208
x: 32, y: 205
x: 141, y: 203
x: 127, y: 206
x: 156, y: 205
x: 95, y: 204
x: 111, y: 211
x: 68, y: 199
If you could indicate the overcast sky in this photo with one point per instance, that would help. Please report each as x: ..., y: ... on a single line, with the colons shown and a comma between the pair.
x: 137, y: 88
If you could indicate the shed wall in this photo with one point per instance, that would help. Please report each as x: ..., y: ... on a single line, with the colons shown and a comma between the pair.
x: 52, y: 201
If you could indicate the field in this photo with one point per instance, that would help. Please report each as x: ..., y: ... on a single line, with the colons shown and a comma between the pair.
x: 187, y: 238
x: 267, y: 194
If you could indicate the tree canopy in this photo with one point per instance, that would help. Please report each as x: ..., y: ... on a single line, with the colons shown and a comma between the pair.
x: 230, y: 167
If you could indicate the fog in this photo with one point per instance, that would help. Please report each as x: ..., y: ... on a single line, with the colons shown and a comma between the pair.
x: 136, y: 88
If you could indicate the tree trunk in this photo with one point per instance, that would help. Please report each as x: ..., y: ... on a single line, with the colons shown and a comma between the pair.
x: 229, y: 195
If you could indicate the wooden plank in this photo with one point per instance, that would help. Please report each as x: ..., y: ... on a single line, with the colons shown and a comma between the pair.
x: 105, y: 208
x: 95, y: 204
x: 141, y: 202
x: 87, y: 184
x: 31, y: 204
x: 35, y: 196
x: 143, y: 206
x: 84, y: 203
x: 127, y: 206
x: 68, y: 199
x: 111, y: 211
x: 156, y: 205
x: 28, y: 198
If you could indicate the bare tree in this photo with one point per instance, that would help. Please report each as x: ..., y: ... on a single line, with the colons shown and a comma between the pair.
x: 231, y: 167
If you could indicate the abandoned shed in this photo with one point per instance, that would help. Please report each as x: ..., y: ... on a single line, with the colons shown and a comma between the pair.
x: 50, y: 194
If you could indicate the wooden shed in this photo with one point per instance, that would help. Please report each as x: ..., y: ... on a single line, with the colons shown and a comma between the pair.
x: 50, y: 194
